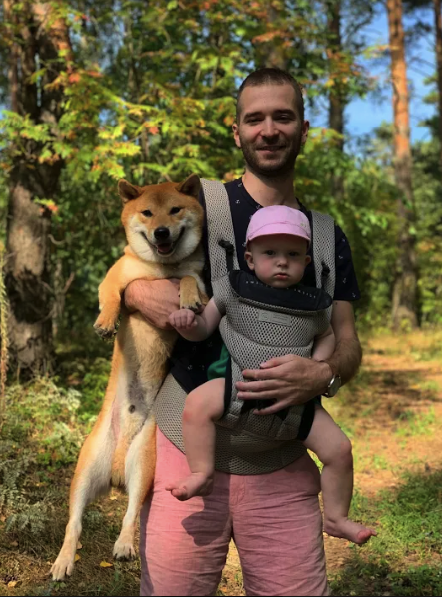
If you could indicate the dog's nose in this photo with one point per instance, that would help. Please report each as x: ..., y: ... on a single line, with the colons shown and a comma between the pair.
x: 162, y: 233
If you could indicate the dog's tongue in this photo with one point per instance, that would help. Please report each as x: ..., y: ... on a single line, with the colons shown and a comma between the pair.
x: 164, y: 248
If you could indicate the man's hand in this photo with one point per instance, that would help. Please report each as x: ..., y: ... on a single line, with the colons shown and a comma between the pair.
x: 155, y: 300
x: 289, y: 380
x: 294, y: 380
x: 184, y: 319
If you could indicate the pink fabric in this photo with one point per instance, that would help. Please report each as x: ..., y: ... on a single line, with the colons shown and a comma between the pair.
x: 274, y: 518
x: 278, y: 219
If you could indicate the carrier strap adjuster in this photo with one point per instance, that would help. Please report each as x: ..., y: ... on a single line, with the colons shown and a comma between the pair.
x: 229, y: 248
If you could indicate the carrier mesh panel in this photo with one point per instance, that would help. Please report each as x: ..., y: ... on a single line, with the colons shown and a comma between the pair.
x: 248, y: 443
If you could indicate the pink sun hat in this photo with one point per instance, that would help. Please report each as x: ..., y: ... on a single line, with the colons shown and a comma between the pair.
x: 278, y: 219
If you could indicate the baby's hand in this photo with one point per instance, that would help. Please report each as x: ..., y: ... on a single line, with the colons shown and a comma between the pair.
x: 184, y: 319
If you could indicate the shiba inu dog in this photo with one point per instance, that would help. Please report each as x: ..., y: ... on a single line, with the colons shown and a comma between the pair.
x: 163, y: 225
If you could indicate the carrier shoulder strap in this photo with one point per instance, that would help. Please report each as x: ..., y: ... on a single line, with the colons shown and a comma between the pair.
x: 323, y: 239
x: 221, y: 237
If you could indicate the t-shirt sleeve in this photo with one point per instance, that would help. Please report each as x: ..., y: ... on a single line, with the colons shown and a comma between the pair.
x: 346, y: 286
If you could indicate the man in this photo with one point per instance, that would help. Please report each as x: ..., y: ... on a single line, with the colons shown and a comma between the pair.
x: 274, y: 517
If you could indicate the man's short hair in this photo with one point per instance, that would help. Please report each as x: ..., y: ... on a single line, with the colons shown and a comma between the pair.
x: 271, y: 76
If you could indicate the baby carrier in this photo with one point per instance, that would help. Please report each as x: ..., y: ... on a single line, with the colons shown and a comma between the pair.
x: 260, y: 323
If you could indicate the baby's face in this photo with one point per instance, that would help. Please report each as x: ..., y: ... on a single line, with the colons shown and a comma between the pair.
x: 278, y: 260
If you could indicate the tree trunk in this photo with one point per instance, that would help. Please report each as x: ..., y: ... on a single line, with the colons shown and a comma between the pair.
x: 28, y: 279
x: 405, y: 287
x: 438, y: 26
x: 336, y: 96
x: 276, y: 56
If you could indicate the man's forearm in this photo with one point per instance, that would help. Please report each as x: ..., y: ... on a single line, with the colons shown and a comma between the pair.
x: 346, y: 358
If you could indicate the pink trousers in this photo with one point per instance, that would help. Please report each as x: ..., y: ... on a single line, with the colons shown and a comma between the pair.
x: 274, y: 520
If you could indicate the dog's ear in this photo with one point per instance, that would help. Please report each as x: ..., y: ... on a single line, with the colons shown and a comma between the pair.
x: 191, y: 186
x: 128, y: 191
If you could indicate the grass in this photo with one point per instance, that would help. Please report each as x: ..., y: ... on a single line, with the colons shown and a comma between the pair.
x: 405, y: 558
x: 392, y: 413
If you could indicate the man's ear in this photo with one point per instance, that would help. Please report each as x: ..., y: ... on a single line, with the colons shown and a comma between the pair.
x: 128, y: 191
x: 249, y: 258
x: 235, y: 129
x: 305, y: 130
x: 191, y: 186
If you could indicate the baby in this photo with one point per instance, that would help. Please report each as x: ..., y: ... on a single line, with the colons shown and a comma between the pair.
x: 277, y: 242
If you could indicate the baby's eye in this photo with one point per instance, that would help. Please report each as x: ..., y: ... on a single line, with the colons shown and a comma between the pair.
x: 294, y: 254
x: 270, y: 253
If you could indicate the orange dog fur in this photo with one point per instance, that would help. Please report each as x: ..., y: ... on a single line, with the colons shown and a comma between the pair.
x: 163, y: 225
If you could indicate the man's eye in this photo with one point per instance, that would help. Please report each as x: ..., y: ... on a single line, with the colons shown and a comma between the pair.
x: 147, y: 213
x: 175, y: 210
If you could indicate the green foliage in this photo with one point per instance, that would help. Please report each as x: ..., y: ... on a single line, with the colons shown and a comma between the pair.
x: 40, y: 433
x: 150, y: 96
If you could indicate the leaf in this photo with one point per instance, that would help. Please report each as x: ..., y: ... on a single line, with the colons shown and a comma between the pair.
x: 12, y: 584
x: 105, y: 564
x: 77, y: 557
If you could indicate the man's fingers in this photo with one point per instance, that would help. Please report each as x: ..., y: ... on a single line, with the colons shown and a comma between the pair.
x: 259, y: 374
x: 267, y: 395
x: 258, y: 386
x: 276, y: 361
x: 274, y: 408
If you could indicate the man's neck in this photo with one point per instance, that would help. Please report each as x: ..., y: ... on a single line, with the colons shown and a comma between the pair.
x: 271, y: 191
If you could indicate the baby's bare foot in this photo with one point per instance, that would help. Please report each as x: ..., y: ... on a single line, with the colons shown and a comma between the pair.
x: 347, y: 529
x: 193, y: 485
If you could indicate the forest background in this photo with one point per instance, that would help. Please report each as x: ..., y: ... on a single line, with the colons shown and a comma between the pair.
x: 95, y: 91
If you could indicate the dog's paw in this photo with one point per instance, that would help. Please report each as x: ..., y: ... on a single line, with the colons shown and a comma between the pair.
x: 62, y: 567
x: 105, y: 333
x: 194, y: 306
x: 123, y: 550
x: 105, y: 327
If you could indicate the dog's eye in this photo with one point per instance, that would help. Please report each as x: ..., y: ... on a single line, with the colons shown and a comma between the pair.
x: 175, y: 210
x: 147, y: 213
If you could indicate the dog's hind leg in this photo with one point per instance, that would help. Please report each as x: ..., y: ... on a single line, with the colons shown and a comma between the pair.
x: 92, y: 478
x: 139, y: 475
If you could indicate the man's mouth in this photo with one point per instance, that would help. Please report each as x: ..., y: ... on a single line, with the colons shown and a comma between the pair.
x: 165, y: 249
x: 271, y: 148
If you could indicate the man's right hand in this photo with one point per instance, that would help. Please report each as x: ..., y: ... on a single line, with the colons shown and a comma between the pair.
x: 155, y: 300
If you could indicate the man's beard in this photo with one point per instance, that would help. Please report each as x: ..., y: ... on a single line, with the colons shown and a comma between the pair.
x: 280, y: 167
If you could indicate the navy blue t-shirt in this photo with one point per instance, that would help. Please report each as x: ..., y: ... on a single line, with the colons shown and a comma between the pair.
x: 190, y: 360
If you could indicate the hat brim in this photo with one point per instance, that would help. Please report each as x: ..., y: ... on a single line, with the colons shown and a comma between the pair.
x: 280, y: 228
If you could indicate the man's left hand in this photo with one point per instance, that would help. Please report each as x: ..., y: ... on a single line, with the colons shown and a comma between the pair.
x: 290, y: 380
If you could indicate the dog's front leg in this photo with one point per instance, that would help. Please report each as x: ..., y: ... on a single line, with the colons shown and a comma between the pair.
x: 189, y: 294
x: 109, y: 295
x: 139, y: 475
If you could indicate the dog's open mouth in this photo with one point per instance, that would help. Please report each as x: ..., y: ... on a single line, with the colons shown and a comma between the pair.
x: 165, y: 249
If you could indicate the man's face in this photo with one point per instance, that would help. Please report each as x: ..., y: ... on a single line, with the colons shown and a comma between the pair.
x: 270, y: 132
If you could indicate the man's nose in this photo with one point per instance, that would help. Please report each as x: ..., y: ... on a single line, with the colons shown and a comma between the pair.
x: 269, y: 129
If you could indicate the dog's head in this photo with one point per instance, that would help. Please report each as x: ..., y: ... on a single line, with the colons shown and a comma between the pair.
x: 162, y: 222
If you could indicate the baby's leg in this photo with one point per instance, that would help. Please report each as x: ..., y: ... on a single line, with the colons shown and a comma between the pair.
x: 203, y: 407
x: 333, y: 449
